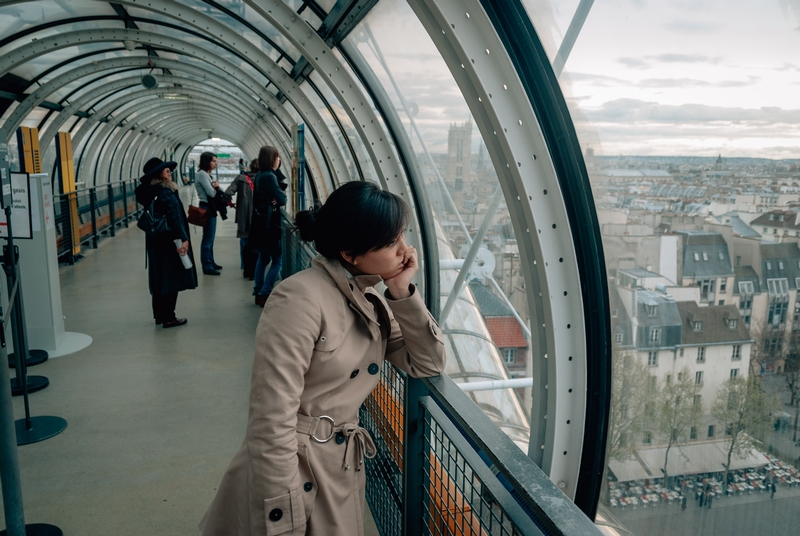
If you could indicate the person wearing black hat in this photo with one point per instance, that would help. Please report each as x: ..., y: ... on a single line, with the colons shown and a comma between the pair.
x: 167, y: 274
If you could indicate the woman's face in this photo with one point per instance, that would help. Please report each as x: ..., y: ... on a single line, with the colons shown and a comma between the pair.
x: 277, y: 163
x: 386, y: 262
x: 213, y: 164
x: 166, y: 174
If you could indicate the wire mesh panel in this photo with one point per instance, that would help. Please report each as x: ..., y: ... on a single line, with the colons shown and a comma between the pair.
x: 462, y: 495
x: 382, y: 415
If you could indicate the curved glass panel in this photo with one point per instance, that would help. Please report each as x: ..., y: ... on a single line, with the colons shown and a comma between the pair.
x: 692, y: 150
x: 33, y: 67
x: 21, y: 16
x: 367, y: 169
x: 460, y: 182
x: 278, y: 47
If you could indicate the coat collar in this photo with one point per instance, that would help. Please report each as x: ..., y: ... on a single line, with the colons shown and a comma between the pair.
x: 358, y: 299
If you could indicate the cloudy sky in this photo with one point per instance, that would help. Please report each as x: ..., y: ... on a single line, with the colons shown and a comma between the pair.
x: 690, y: 77
x: 646, y: 77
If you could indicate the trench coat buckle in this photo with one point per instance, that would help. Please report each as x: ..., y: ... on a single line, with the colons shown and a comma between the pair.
x: 333, y: 425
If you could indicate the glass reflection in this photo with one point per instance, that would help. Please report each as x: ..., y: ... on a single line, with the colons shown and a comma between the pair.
x: 687, y: 124
x: 460, y: 181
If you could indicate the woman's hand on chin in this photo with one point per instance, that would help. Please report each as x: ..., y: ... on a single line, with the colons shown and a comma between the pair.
x: 398, y: 285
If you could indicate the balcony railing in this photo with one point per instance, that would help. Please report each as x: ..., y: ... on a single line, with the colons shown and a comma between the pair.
x: 92, y: 213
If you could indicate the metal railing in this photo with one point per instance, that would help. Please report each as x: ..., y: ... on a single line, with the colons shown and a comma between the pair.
x: 442, y: 466
x: 91, y: 214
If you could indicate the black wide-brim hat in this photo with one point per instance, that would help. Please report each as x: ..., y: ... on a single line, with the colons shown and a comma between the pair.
x: 153, y: 168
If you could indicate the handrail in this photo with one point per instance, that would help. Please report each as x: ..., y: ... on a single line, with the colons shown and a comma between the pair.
x: 99, y: 210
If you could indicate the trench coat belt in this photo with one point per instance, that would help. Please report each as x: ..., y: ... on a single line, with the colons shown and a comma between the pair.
x: 356, y: 437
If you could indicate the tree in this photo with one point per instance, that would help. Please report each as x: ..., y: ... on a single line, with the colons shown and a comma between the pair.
x: 791, y: 365
x: 631, y: 390
x: 679, y: 411
x: 747, y: 412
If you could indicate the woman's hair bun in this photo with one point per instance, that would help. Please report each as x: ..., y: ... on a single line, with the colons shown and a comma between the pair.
x: 306, y: 222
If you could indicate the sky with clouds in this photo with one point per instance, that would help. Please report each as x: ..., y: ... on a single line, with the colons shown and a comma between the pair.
x: 645, y: 77
x: 675, y: 77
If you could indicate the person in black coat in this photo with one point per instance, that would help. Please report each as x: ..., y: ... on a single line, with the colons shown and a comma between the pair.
x: 167, y: 275
x: 265, y: 226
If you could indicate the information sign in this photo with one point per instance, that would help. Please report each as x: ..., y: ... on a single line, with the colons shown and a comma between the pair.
x: 20, y: 208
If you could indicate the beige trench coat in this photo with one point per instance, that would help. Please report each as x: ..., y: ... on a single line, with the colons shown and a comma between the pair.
x: 320, y: 345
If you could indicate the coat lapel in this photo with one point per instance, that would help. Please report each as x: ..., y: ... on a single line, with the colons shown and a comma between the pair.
x: 355, y: 290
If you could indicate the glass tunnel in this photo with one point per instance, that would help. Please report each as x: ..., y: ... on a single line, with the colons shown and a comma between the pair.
x: 605, y: 197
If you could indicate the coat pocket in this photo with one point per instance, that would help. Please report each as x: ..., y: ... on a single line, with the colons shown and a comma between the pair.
x: 285, y: 514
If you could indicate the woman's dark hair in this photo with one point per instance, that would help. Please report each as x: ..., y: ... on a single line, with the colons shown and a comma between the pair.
x: 266, y: 157
x: 205, y: 160
x: 357, y: 218
x: 254, y: 165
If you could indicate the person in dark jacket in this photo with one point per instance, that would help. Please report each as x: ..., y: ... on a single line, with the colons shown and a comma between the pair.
x: 243, y: 187
x: 265, y: 227
x: 167, y: 275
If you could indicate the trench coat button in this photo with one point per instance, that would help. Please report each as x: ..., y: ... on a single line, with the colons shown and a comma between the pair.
x: 308, y: 486
x: 339, y: 438
x: 354, y: 374
x: 373, y: 369
x: 322, y: 339
x: 276, y: 514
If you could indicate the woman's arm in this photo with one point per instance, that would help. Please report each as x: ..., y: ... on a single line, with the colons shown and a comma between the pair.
x: 416, y: 343
x: 170, y: 206
x: 204, y: 180
x: 267, y: 189
x: 285, y: 339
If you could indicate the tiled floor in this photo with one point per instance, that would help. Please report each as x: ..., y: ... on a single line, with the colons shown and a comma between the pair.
x: 154, y: 414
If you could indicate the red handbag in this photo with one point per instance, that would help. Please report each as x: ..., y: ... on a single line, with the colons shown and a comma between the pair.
x: 197, y: 216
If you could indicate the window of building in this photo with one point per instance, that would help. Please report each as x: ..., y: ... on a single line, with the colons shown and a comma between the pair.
x: 780, y: 265
x: 739, y: 260
x: 706, y: 286
x: 696, y: 256
x: 721, y: 255
x: 510, y: 355
x: 732, y: 323
x: 721, y: 302
x: 769, y: 265
x: 648, y: 437
x: 774, y: 231
x: 701, y: 354
x: 711, y: 430
x: 765, y: 230
x: 780, y: 218
x: 697, y: 325
x: 735, y: 373
x: 737, y: 352
x: 669, y: 379
x: 652, y: 359
x: 797, y: 282
x: 746, y: 287
x: 618, y: 338
x: 652, y: 310
x: 693, y: 433
x: 681, y: 352
x: 778, y: 301
x: 614, y: 313
x: 698, y: 377
x: 705, y: 256
x: 655, y: 335
x: 772, y: 217
x: 698, y: 401
x: 723, y: 284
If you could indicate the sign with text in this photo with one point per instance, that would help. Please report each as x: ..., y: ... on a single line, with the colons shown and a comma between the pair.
x: 20, y: 208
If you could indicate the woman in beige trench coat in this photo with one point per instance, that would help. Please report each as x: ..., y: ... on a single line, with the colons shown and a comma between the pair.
x: 320, y: 346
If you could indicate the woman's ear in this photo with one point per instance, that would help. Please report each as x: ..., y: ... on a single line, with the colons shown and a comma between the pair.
x: 349, y: 258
